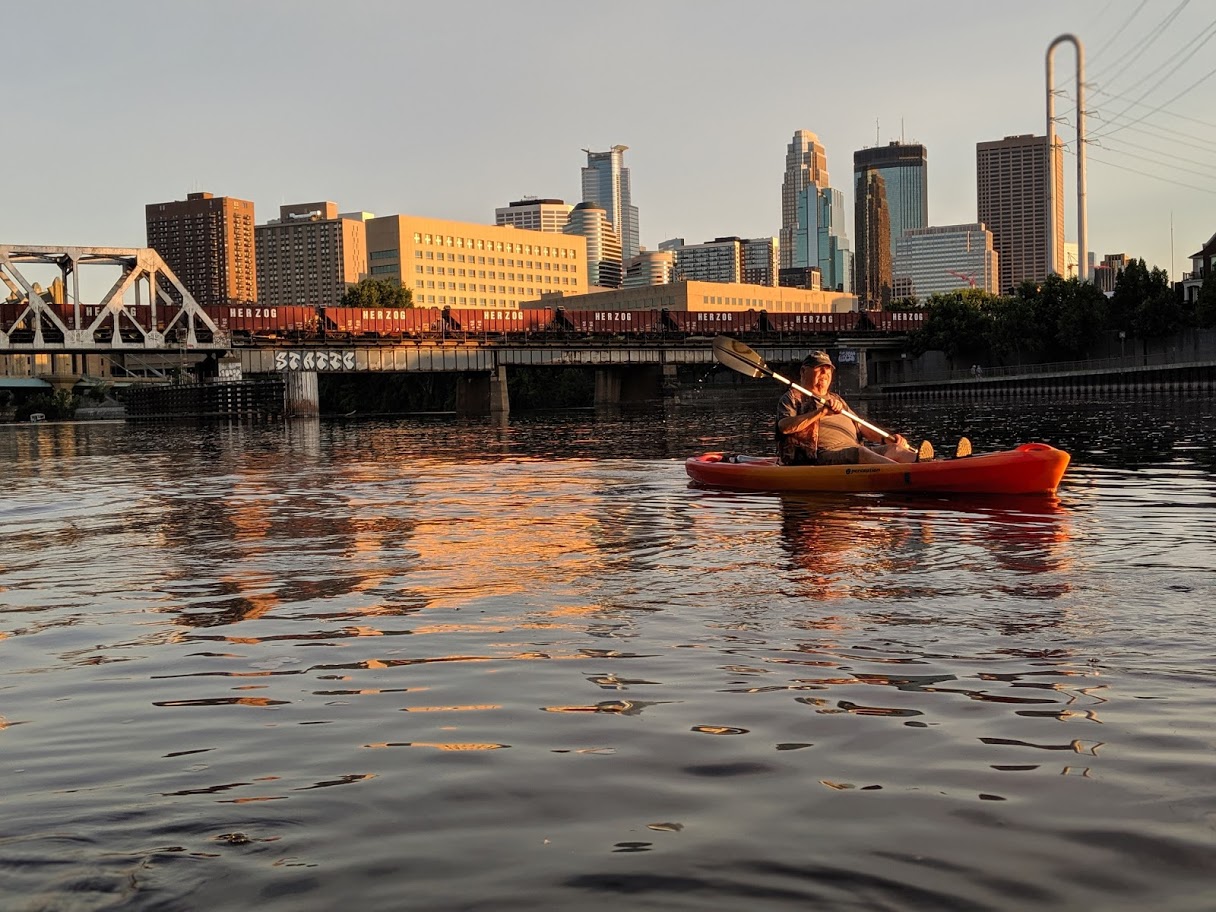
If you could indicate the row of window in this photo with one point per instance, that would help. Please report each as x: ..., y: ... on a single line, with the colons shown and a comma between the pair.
x: 470, y: 286
x: 482, y: 274
x: 490, y: 261
x: 440, y: 240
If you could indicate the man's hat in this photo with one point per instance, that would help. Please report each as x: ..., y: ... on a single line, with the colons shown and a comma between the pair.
x: 818, y: 359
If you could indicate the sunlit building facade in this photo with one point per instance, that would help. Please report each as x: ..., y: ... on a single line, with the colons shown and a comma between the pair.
x: 534, y: 214
x: 309, y: 255
x: 208, y: 242
x: 806, y: 163
x: 650, y: 267
x: 1012, y: 190
x: 716, y: 297
x: 605, y: 265
x: 465, y: 264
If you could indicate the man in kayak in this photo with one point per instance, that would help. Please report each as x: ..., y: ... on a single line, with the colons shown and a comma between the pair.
x: 812, y: 434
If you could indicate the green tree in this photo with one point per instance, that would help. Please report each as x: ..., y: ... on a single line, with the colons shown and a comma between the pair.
x: 1080, y: 319
x: 1144, y: 304
x: 957, y: 325
x: 378, y: 294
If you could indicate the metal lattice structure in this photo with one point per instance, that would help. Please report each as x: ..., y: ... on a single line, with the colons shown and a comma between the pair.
x: 161, y: 316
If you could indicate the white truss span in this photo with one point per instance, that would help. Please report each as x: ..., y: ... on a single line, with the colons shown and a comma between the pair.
x: 163, y: 315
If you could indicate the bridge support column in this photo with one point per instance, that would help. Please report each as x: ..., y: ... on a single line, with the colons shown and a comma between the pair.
x: 607, y: 386
x: 300, y: 396
x: 483, y: 394
x: 671, y: 379
x: 500, y: 401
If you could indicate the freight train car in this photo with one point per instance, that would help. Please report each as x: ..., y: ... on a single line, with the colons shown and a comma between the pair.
x: 495, y: 324
x: 786, y: 323
x: 706, y: 323
x: 901, y: 321
x: 599, y: 324
x: 379, y: 323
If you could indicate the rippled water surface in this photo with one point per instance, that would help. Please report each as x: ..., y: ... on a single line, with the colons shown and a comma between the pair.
x: 440, y: 664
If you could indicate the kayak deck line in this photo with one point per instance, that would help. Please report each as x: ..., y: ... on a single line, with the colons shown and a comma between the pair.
x: 1030, y: 468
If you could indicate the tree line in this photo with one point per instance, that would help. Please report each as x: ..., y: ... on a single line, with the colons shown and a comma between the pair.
x: 1057, y: 319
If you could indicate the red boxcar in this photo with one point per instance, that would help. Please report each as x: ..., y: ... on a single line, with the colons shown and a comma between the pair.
x: 493, y: 323
x: 613, y: 322
x: 811, y: 322
x: 713, y: 323
x: 897, y: 320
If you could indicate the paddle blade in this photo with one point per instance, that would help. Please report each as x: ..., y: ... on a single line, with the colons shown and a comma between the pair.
x: 734, y: 354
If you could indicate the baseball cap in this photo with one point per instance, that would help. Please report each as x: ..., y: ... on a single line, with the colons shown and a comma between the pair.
x: 818, y: 359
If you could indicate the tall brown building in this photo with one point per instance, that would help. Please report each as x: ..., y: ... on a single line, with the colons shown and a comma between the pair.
x: 208, y: 243
x: 309, y: 255
x: 872, y: 216
x: 1012, y: 191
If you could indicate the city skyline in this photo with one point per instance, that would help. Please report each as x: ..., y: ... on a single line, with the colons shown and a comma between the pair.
x: 458, y: 146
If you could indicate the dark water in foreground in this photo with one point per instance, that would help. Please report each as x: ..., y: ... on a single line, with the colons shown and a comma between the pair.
x: 444, y: 665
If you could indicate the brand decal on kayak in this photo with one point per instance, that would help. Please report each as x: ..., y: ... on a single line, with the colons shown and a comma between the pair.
x: 866, y: 471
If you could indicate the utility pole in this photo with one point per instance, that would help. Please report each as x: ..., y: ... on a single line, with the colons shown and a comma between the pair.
x: 1082, y: 215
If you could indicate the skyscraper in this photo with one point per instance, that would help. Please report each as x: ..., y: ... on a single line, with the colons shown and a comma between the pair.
x: 806, y: 163
x: 872, y: 222
x: 605, y: 267
x: 812, y: 215
x: 904, y: 205
x: 606, y: 183
x: 208, y: 243
x: 1012, y: 200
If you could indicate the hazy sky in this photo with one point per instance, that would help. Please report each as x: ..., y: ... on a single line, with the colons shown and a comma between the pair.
x: 449, y: 109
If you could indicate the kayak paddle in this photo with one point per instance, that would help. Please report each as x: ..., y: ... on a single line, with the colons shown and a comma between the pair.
x: 739, y: 357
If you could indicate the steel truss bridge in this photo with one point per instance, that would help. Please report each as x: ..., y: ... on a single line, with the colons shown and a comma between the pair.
x: 147, y: 307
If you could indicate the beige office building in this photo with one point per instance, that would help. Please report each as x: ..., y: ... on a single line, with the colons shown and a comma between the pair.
x: 464, y: 264
x: 1012, y: 190
x: 716, y: 296
x: 309, y: 255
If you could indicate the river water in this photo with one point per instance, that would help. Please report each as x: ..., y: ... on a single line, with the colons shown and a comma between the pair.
x: 438, y: 664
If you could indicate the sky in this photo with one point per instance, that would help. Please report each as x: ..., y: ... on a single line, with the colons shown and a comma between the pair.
x: 451, y: 109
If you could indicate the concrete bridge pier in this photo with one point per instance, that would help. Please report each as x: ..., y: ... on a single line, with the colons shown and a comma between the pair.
x: 629, y: 384
x: 483, y: 394
x: 300, y: 396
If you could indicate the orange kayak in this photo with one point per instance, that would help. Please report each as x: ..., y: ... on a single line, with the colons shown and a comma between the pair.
x: 1032, y: 468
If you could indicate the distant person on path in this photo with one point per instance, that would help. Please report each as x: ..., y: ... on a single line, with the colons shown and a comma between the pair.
x: 812, y: 434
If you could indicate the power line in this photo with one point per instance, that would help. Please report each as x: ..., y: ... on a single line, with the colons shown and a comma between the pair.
x: 1139, y: 104
x: 1124, y: 65
x: 1143, y: 173
x: 1119, y: 31
x: 1191, y: 161
x: 1177, y: 136
x: 1208, y: 75
x: 1177, y: 63
x: 1205, y: 174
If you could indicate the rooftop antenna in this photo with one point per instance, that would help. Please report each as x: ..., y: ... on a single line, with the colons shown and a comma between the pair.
x: 877, y: 141
x: 901, y: 130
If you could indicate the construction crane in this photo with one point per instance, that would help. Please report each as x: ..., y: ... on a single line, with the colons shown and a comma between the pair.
x: 969, y: 279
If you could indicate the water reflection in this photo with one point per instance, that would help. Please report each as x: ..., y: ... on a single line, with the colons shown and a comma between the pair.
x: 880, y: 547
x: 576, y: 678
